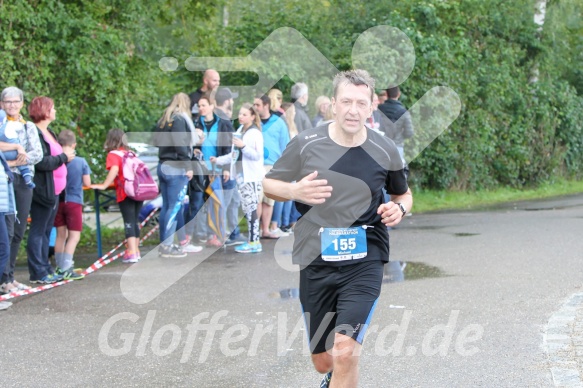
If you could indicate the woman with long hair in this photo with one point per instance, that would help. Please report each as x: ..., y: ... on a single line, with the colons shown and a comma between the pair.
x: 290, y: 115
x: 175, y: 137
x: 275, y: 101
x: 248, y: 151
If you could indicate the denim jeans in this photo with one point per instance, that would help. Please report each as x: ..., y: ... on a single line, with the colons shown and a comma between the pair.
x: 295, y: 214
x: 277, y: 212
x: 194, y: 205
x: 4, y: 243
x: 173, y: 184
x: 16, y: 225
x: 37, y: 246
x: 233, y: 203
x: 181, y: 222
x: 289, y: 213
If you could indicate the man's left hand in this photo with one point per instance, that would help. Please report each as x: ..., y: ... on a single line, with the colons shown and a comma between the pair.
x: 390, y: 213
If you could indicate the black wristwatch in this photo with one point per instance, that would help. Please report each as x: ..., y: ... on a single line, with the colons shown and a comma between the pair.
x: 402, y: 207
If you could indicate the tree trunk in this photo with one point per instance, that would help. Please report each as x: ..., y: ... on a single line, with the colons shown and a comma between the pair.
x: 225, y: 15
x: 540, y: 13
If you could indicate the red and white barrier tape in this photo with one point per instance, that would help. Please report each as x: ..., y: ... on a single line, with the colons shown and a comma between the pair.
x: 100, y: 263
x: 142, y: 224
x: 103, y: 262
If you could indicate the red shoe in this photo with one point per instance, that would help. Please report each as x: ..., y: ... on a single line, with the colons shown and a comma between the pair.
x: 214, y: 242
x: 186, y: 241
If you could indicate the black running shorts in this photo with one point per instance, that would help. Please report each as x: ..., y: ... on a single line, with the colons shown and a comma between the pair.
x: 339, y: 300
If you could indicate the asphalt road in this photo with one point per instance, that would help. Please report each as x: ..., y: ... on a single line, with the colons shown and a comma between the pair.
x: 498, y: 303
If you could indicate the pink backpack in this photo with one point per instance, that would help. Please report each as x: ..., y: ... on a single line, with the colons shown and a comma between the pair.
x: 138, y: 182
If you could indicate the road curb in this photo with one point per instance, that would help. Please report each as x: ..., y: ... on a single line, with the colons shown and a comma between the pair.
x: 563, y: 342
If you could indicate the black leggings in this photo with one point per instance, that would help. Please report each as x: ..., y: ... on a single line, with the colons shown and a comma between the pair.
x: 130, y: 210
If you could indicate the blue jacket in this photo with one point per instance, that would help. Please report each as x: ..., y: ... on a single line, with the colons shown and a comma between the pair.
x: 275, y: 139
x: 7, y: 204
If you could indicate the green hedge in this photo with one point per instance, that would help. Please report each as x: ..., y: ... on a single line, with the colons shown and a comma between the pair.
x: 99, y: 61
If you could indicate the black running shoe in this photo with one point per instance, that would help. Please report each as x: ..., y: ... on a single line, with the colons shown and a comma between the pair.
x: 326, y: 380
x: 170, y: 251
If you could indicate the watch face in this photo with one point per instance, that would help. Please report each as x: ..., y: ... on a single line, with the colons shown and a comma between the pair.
x: 403, y: 209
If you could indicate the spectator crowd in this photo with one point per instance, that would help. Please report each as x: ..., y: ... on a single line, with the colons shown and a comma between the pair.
x: 201, y: 154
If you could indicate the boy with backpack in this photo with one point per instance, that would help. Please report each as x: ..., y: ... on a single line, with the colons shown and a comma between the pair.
x: 69, y: 218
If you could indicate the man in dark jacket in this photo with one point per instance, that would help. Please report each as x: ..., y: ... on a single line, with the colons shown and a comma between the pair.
x: 210, y: 82
x: 398, y: 127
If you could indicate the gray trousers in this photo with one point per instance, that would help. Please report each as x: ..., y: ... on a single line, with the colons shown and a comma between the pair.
x: 16, y: 225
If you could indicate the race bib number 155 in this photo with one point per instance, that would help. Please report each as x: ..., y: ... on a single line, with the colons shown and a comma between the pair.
x: 340, y: 244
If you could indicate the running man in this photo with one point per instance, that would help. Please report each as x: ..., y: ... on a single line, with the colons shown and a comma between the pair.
x: 341, y: 240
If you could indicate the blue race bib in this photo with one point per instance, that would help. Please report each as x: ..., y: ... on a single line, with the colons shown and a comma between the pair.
x: 339, y: 244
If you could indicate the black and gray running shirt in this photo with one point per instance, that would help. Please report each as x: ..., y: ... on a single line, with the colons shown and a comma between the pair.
x: 357, y: 175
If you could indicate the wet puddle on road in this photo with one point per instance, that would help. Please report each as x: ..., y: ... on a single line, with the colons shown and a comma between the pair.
x: 286, y: 293
x: 425, y: 227
x: 395, y: 272
x: 289, y: 293
x: 399, y: 271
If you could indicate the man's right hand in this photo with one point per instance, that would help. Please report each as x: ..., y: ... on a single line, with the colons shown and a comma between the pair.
x: 310, y: 190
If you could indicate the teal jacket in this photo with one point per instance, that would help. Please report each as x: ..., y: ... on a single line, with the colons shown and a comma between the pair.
x: 275, y: 138
x: 7, y: 204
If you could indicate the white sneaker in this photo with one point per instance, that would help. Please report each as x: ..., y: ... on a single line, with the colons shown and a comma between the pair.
x: 20, y: 286
x: 189, y: 248
x: 7, y: 288
x: 279, y: 233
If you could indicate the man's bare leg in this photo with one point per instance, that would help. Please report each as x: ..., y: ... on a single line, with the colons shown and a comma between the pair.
x: 343, y: 360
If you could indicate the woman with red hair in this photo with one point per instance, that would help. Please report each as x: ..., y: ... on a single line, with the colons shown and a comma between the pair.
x: 50, y: 180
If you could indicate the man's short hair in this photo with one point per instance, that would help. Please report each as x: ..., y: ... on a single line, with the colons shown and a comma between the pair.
x: 264, y: 99
x: 354, y: 77
x: 66, y: 137
x: 393, y: 92
x: 298, y: 90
